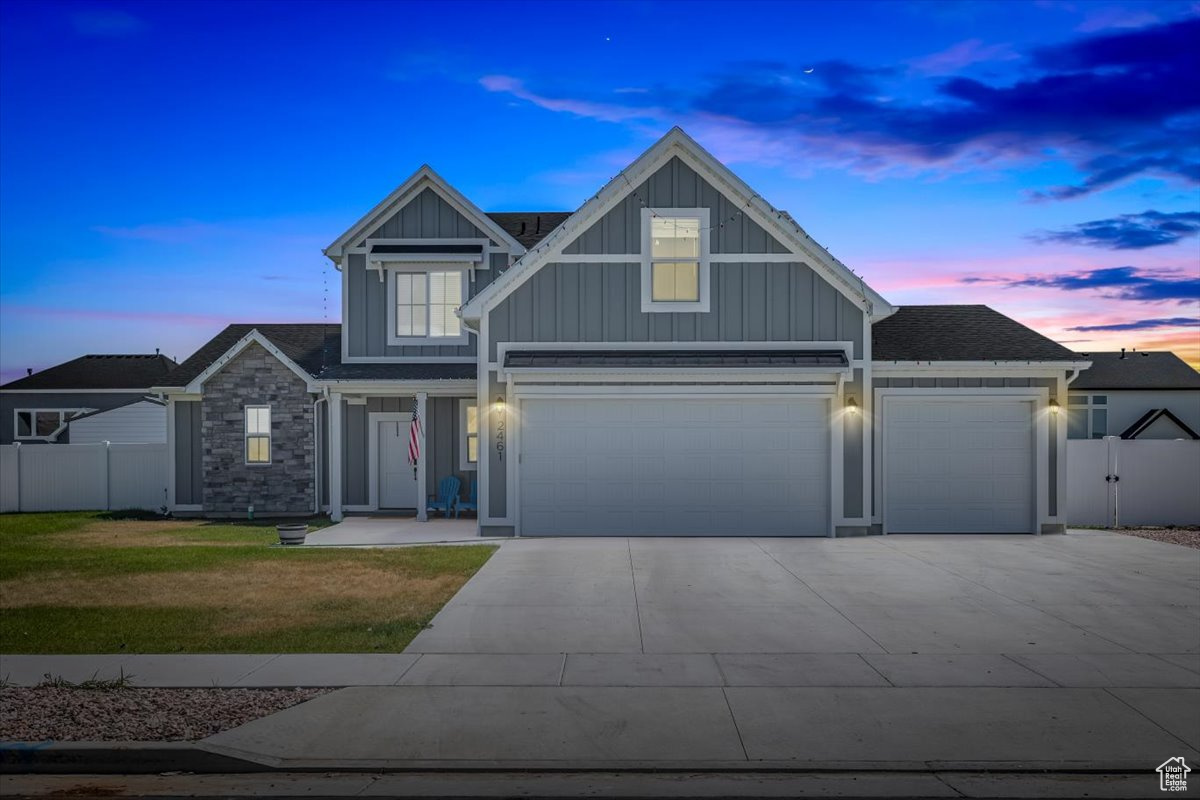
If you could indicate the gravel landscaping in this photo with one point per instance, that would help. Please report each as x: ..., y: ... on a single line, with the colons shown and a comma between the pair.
x: 1188, y: 537
x: 143, y: 715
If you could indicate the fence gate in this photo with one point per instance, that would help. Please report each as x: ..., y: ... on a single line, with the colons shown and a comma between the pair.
x: 1114, y: 482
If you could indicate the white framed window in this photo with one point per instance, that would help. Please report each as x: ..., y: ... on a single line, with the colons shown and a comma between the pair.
x: 258, y: 434
x: 42, y: 424
x: 423, y: 304
x: 1087, y: 416
x: 468, y: 434
x: 675, y: 260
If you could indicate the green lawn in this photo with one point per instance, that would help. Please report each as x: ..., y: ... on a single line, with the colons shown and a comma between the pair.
x: 96, y: 583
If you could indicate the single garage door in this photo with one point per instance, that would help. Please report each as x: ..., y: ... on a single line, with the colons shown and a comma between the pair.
x: 674, y: 467
x: 958, y: 466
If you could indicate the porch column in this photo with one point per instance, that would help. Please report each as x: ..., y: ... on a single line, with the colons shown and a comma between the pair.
x: 421, y: 457
x: 335, y: 456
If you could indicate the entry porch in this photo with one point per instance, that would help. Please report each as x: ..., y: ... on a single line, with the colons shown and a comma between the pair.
x: 367, y: 441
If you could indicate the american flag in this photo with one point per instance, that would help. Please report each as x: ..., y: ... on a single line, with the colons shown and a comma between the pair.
x: 414, y: 440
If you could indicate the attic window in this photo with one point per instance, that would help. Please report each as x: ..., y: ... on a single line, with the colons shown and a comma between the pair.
x: 675, y: 271
x: 425, y: 303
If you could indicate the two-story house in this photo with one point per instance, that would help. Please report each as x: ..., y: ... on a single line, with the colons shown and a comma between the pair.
x: 676, y: 357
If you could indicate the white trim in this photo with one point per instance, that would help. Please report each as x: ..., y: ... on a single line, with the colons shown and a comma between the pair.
x: 676, y: 143
x: 952, y: 369
x: 425, y: 269
x: 446, y: 388
x: 714, y: 391
x: 373, y: 420
x: 422, y: 457
x: 423, y: 178
x: 690, y: 375
x: 713, y: 258
x: 409, y: 359
x: 464, y: 435
x: 1037, y: 395
x: 149, y: 390
x: 253, y: 337
x: 704, y: 277
x: 845, y: 346
x: 246, y: 436
x: 457, y: 259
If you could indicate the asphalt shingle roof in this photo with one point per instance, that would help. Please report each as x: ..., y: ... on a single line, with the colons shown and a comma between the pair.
x: 960, y: 333
x: 1136, y: 370
x: 117, y: 371
x: 529, y: 227
x: 311, y: 345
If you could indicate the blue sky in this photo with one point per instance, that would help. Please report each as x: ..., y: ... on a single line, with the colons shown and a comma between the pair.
x: 166, y: 168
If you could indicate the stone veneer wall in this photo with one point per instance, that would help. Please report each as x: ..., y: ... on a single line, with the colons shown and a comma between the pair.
x: 285, y: 486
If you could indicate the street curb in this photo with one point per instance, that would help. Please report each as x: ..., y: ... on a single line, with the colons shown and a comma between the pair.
x: 142, y: 758
x: 117, y: 758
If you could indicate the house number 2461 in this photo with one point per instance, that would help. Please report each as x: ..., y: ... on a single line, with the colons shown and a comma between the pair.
x: 501, y: 428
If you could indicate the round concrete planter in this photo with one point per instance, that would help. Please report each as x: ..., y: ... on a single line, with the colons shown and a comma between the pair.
x: 292, y: 533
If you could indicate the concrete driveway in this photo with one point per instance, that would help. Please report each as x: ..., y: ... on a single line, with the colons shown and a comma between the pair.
x: 1080, y: 650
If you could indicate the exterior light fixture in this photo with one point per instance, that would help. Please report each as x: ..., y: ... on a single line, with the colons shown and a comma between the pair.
x: 1054, y: 407
x: 851, y: 405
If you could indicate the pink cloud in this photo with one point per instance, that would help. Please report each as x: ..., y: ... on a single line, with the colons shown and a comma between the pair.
x: 605, y: 112
x: 963, y: 54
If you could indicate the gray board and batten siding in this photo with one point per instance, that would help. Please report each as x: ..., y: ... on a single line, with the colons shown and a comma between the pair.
x: 441, y: 424
x: 189, y: 453
x: 750, y: 301
x: 426, y: 216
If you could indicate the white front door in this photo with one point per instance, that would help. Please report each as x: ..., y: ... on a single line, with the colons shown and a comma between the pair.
x: 397, y: 478
x: 674, y: 467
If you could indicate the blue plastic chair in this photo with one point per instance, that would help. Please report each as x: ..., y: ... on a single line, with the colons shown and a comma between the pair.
x: 446, y: 497
x: 470, y: 504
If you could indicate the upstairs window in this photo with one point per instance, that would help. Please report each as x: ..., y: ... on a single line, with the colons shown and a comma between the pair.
x: 675, y: 272
x: 258, y: 434
x: 425, y: 304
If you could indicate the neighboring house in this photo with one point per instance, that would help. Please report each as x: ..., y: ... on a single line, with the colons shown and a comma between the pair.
x: 143, y: 421
x: 38, y: 408
x: 1135, y: 395
x: 675, y: 357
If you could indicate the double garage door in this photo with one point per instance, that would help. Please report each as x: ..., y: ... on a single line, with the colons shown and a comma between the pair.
x: 674, y: 467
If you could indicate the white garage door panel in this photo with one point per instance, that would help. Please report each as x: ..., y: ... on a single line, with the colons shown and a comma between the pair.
x: 959, y: 466
x: 663, y: 467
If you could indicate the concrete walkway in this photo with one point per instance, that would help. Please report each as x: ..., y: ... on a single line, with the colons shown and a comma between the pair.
x: 383, y: 531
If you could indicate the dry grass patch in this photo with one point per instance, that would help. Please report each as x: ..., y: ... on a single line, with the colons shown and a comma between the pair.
x: 141, y: 533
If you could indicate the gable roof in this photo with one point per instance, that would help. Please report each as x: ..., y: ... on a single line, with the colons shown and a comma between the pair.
x: 311, y: 346
x: 678, y: 144
x: 529, y: 227
x: 1150, y: 417
x: 135, y: 372
x: 1137, y: 370
x: 960, y: 333
x: 423, y: 178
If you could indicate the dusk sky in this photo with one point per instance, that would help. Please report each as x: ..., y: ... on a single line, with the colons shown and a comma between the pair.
x: 170, y: 167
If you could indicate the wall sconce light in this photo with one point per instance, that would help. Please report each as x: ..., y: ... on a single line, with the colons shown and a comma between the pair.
x: 852, y: 405
x: 499, y: 404
x: 1054, y: 407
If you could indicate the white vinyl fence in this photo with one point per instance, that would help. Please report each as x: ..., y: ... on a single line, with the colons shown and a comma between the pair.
x: 83, y: 477
x: 1116, y: 482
